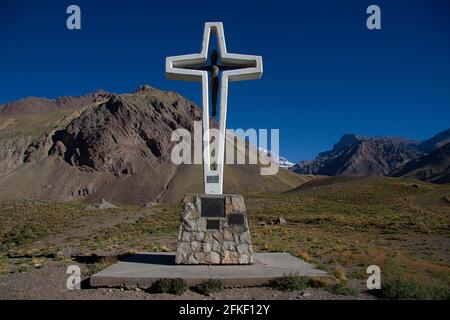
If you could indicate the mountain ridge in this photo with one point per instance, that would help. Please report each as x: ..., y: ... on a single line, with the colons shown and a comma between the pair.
x: 364, y: 156
x: 117, y: 147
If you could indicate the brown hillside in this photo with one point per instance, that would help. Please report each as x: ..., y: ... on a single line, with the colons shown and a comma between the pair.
x: 117, y: 148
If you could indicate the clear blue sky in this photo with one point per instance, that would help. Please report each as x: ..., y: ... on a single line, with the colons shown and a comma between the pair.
x: 325, y: 74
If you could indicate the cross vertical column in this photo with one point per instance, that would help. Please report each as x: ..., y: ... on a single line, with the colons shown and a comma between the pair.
x: 235, y: 67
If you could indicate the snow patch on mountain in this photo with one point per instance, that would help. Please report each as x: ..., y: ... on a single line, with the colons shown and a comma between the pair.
x: 280, y: 161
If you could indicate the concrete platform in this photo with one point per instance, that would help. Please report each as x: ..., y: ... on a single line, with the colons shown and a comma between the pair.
x: 141, y: 270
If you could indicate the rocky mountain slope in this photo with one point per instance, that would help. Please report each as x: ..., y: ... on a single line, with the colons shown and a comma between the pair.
x: 30, y: 105
x: 108, y: 146
x: 361, y: 156
x: 434, y: 167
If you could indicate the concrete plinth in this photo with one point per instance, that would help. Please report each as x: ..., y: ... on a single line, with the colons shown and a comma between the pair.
x: 141, y: 270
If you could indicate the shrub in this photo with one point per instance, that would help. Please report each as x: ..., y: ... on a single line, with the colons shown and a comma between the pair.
x: 23, y: 234
x: 289, y: 283
x: 305, y: 256
x: 209, y: 287
x: 161, y: 286
x: 178, y: 287
x: 102, y: 263
x: 342, y: 289
x: 173, y: 286
x: 322, y: 282
x: 339, y: 273
x: 402, y: 288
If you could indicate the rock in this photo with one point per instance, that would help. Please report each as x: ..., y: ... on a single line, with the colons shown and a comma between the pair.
x: 200, y: 236
x: 242, y: 248
x: 228, y: 245
x: 212, y: 258
x: 106, y: 205
x: 192, y: 260
x: 150, y: 204
x: 216, y: 246
x: 186, y: 236
x: 59, y: 148
x: 142, y: 88
x: 228, y: 235
x: 196, y: 246
x: 238, y: 204
x: 305, y: 294
x: 229, y: 257
x: 245, y: 237
x: 102, y: 205
x: 280, y: 220
x: 199, y: 256
x: 206, y: 247
x: 218, y: 235
x: 245, y: 259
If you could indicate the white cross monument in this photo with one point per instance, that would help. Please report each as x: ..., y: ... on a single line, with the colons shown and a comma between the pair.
x: 233, y: 67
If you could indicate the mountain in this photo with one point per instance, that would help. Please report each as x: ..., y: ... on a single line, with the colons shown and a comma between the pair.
x: 111, y: 146
x: 280, y: 161
x: 434, y: 167
x: 31, y: 105
x: 435, y: 142
x: 362, y: 156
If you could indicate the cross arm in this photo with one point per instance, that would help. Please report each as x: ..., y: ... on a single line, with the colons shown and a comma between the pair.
x: 177, y: 67
x: 252, y: 67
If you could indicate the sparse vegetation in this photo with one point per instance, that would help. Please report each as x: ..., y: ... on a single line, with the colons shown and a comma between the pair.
x: 103, y: 263
x: 209, y: 287
x: 173, y: 286
x: 402, y: 287
x: 339, y: 273
x: 295, y: 283
x: 350, y: 224
x: 341, y: 289
x: 341, y: 227
x: 291, y: 282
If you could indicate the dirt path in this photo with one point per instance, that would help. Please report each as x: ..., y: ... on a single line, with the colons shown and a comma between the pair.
x: 88, y: 225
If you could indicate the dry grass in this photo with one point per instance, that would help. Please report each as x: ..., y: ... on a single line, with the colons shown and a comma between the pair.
x: 348, y: 225
x: 342, y: 227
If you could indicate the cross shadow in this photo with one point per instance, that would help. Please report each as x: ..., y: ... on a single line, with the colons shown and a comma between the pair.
x: 153, y: 258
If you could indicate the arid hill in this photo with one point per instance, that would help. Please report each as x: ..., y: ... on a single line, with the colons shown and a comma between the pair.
x: 112, y: 146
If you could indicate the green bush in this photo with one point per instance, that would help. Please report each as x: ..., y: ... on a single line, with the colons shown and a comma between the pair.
x: 342, y: 289
x: 23, y: 234
x: 209, y: 287
x: 178, y: 287
x: 289, y: 283
x: 161, y: 286
x: 173, y: 286
x: 398, y: 287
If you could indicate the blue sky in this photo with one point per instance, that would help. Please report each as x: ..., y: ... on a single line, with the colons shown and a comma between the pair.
x: 325, y: 73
